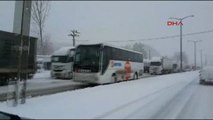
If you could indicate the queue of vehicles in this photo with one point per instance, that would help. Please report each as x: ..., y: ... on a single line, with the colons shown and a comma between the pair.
x: 97, y: 63
x: 91, y: 63
x: 162, y: 65
x: 104, y: 63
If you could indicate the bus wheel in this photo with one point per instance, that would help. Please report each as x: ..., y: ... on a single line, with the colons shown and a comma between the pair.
x: 114, y: 78
x: 135, y: 77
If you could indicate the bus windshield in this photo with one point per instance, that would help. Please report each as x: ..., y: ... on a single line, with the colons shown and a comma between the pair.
x: 87, y: 57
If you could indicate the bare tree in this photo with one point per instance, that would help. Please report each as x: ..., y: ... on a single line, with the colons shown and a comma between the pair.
x: 48, y: 47
x: 40, y: 11
x: 137, y: 47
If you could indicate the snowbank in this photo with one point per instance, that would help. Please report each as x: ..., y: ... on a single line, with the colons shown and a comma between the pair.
x: 134, y: 99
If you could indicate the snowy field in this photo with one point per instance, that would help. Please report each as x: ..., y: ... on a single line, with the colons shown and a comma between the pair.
x: 144, y: 98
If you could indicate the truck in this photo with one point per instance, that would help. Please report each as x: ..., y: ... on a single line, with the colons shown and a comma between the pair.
x: 62, y: 63
x: 161, y: 65
x: 9, y: 56
x: 146, y: 65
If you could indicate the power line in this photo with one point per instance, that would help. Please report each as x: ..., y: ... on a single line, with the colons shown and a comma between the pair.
x: 158, y: 38
x: 164, y: 37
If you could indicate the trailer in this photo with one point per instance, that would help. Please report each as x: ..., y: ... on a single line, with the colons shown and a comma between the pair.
x: 161, y: 65
x: 9, y: 56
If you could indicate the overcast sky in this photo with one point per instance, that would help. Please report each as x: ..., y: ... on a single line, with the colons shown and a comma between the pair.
x: 126, y: 20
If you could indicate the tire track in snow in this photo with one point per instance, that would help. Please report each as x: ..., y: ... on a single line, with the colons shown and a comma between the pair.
x: 153, y: 96
x: 176, y: 105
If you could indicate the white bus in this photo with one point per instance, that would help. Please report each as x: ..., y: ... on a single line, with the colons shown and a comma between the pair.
x: 103, y: 63
x: 62, y: 63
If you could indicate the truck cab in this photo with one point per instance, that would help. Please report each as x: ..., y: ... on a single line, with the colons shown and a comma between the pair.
x: 161, y: 65
x: 62, y: 63
x: 155, y: 66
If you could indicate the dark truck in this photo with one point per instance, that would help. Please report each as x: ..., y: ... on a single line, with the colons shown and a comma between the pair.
x: 9, y: 56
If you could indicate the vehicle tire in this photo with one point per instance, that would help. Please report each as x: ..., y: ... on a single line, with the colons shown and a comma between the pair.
x: 202, y: 82
x: 135, y: 77
x: 114, y: 78
x: 3, y: 82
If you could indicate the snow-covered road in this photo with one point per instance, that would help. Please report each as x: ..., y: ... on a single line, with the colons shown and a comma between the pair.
x: 167, y: 96
x: 43, y: 84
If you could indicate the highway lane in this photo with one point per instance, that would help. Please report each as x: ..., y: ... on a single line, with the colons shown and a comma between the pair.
x: 43, y: 84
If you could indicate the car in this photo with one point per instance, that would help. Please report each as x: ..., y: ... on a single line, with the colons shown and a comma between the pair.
x: 206, y: 75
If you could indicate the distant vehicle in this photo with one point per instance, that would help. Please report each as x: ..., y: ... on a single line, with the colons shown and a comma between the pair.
x: 103, y: 63
x: 146, y: 65
x: 62, y: 63
x: 176, y: 68
x: 39, y: 65
x: 161, y: 65
x: 9, y: 54
x: 187, y: 68
x: 43, y: 62
x: 206, y: 75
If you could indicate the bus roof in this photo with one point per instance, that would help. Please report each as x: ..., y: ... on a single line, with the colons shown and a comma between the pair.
x: 63, y: 51
x: 110, y: 45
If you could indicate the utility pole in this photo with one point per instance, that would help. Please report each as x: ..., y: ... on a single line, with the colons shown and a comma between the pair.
x: 149, y: 54
x: 17, y: 87
x: 205, y: 60
x: 21, y: 26
x: 74, y: 33
x: 181, y: 56
x: 201, y: 58
x: 195, y: 48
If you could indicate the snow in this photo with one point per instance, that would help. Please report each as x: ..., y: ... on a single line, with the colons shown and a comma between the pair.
x: 63, y: 51
x: 43, y: 81
x: 142, y: 98
x: 155, y: 59
x: 208, y: 68
x: 43, y: 58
